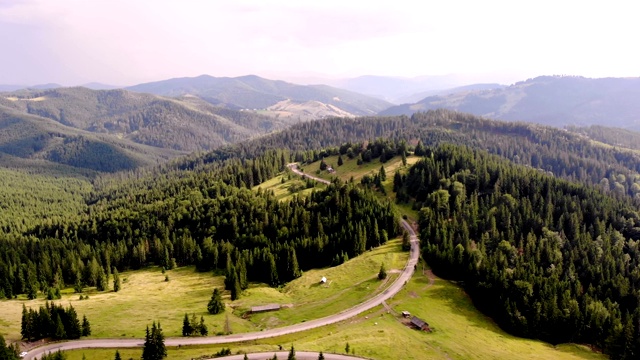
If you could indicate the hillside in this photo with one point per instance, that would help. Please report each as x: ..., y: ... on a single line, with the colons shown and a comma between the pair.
x: 253, y: 92
x: 185, y: 124
x: 551, y: 100
x: 31, y: 142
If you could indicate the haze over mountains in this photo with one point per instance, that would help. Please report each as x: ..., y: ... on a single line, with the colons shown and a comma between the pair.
x: 552, y: 100
x: 156, y: 121
x: 254, y: 92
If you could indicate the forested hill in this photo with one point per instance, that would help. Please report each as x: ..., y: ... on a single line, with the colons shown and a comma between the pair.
x: 561, y: 260
x: 206, y: 217
x: 551, y: 100
x: 36, y: 144
x: 563, y: 153
x: 183, y: 124
x: 254, y: 92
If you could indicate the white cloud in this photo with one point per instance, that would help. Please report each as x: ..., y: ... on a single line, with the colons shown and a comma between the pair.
x: 129, y: 41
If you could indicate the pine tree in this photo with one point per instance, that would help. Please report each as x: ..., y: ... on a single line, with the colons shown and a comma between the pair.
x: 236, y: 290
x: 26, y: 324
x: 118, y: 357
x: 73, y: 328
x: 86, y: 327
x: 246, y: 357
x: 59, y: 328
x: 216, y: 305
x: 7, y: 352
x: 202, y: 327
x: 101, y: 281
x: 292, y: 354
x: 321, y: 356
x: 154, y: 348
x: 340, y: 161
x: 187, y: 329
x: 116, y: 280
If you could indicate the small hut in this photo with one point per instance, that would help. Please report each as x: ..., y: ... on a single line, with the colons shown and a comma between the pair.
x: 420, y: 324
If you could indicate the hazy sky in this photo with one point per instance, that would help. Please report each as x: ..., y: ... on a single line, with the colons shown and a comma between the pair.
x: 130, y: 41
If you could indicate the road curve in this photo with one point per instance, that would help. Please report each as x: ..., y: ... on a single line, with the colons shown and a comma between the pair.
x: 397, y: 285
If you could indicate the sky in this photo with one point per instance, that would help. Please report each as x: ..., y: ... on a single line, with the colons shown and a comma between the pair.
x: 125, y: 42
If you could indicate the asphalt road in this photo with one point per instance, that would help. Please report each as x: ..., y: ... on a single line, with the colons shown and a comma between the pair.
x: 397, y: 285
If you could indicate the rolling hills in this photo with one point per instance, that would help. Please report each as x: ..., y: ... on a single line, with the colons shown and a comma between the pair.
x: 254, y: 92
x: 550, y: 100
x: 185, y: 124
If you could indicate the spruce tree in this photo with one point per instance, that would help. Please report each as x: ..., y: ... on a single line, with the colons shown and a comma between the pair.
x: 202, y: 328
x: 216, y: 305
x: 59, y: 328
x: 321, y: 356
x: 73, y: 328
x: 382, y: 274
x: 118, y: 357
x: 86, y: 327
x: 154, y: 348
x: 26, y: 324
x: 7, y: 352
x: 187, y: 329
x: 116, y: 280
x: 292, y: 354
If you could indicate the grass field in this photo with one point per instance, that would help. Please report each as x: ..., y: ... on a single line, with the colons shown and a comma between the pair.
x: 460, y: 332
x: 146, y: 297
x: 350, y: 168
x: 287, y: 185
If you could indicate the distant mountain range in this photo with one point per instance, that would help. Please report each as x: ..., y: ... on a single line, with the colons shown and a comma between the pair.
x: 110, y: 130
x: 551, y: 100
x: 254, y: 93
x: 399, y: 90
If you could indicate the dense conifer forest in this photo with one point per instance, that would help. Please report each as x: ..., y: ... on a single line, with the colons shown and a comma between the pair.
x: 197, y: 218
x: 560, y: 258
x: 542, y: 221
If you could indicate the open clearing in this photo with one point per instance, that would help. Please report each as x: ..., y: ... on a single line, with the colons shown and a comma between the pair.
x: 460, y: 332
x: 146, y: 296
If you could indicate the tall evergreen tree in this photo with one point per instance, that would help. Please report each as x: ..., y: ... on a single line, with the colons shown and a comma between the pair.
x: 117, y: 357
x: 7, y: 352
x: 86, y: 327
x: 154, y: 348
x: 116, y: 280
x: 292, y: 354
x: 187, y: 329
x: 216, y: 305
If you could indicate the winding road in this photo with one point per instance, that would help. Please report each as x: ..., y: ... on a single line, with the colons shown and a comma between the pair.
x: 395, y: 287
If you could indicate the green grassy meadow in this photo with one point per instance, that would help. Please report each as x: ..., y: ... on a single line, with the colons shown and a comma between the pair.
x: 146, y: 296
x: 460, y: 332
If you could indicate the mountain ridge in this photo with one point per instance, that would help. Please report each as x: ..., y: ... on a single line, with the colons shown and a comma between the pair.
x: 550, y: 100
x: 254, y: 92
